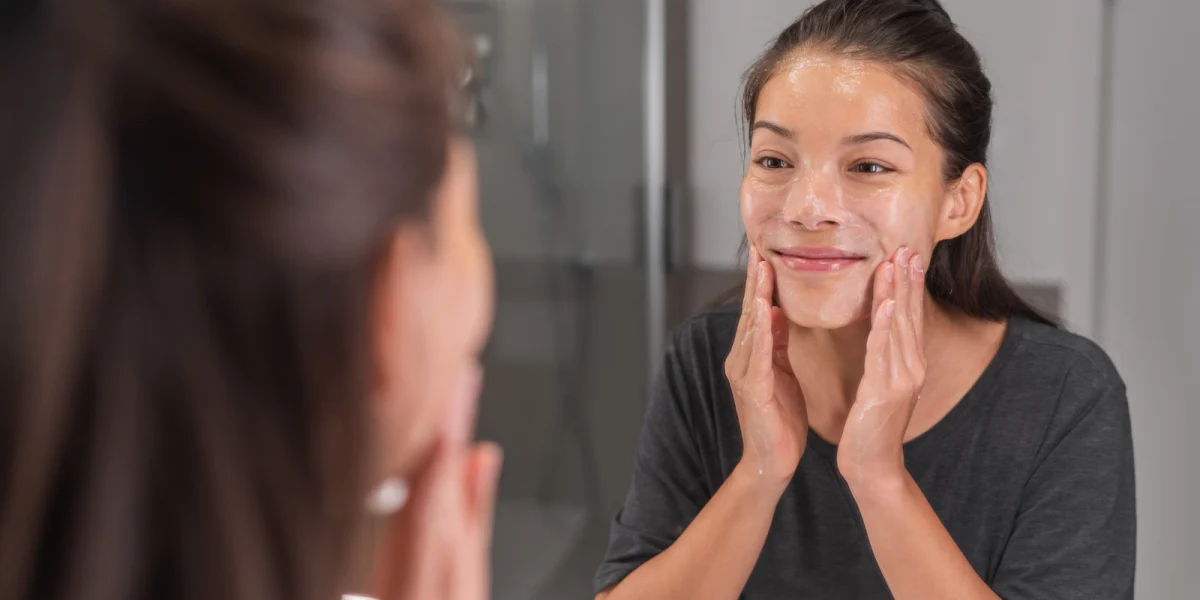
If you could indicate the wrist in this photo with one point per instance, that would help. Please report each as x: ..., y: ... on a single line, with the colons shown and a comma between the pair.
x: 879, y: 484
x: 750, y: 481
x: 880, y: 468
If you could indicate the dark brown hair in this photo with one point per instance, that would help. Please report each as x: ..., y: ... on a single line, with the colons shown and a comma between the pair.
x: 917, y: 40
x: 195, y: 197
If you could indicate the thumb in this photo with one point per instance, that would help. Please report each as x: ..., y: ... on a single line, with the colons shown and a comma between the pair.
x: 473, y: 577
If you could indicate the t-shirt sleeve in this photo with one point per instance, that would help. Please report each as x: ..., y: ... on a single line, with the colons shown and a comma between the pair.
x: 669, y: 487
x: 1075, y: 529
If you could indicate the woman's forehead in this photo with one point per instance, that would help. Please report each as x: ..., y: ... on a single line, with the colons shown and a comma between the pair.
x: 814, y: 93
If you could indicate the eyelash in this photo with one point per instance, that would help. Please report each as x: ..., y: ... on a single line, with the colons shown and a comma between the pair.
x: 762, y: 162
x: 881, y: 169
x: 859, y: 168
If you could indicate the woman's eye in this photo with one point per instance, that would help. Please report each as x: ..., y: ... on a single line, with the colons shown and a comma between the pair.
x: 870, y: 168
x: 769, y: 162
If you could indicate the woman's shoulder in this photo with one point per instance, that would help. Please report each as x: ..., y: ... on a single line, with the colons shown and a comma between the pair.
x: 1052, y: 379
x: 1057, y: 351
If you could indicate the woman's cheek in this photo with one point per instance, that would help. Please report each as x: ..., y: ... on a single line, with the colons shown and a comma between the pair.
x: 900, y: 221
x: 760, y: 201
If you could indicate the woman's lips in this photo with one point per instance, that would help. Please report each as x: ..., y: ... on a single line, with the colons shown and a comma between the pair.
x: 817, y: 259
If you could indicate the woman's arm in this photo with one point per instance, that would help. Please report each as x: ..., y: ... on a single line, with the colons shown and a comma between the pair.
x: 713, y: 557
x: 917, y: 556
x: 1075, y: 532
x: 919, y: 559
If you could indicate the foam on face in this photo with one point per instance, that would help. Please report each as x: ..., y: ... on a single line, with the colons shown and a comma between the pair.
x: 821, y: 199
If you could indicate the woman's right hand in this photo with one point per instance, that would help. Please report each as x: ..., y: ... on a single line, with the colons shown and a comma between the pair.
x: 767, y: 397
x: 438, y: 545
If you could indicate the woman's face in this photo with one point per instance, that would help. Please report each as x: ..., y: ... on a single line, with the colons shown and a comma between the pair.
x: 842, y: 173
x: 433, y: 316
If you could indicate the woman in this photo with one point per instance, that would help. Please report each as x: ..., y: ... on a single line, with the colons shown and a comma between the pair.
x: 893, y: 421
x: 244, y: 285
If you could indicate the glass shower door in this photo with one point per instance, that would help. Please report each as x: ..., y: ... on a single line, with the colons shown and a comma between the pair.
x: 562, y: 143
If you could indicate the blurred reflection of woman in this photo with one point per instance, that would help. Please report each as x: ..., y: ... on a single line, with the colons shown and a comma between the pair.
x: 883, y: 416
x: 244, y: 286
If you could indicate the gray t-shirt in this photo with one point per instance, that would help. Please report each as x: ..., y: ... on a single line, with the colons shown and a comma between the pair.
x: 1031, y: 473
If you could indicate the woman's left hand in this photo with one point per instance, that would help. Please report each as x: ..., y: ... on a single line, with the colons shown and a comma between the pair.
x: 871, y: 451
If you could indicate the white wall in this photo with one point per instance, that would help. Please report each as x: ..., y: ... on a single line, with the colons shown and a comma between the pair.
x: 1151, y: 299
x: 1046, y: 75
x: 724, y: 38
x: 1044, y: 62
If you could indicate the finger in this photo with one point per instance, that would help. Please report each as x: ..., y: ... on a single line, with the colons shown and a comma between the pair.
x: 883, y: 334
x: 907, y: 327
x: 751, y: 280
x: 897, y: 367
x: 763, y: 350
x: 740, y: 357
x: 766, y: 282
x: 902, y: 283
x: 763, y: 345
x: 904, y: 334
x: 917, y: 302
x: 879, y: 340
x: 484, y: 474
x: 439, y: 508
x: 486, y: 460
x: 775, y: 316
x: 884, y: 276
x: 747, y: 298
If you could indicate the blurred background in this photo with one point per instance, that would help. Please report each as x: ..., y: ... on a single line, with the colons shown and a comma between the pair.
x: 610, y: 160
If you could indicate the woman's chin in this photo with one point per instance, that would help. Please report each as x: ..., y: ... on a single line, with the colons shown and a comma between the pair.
x: 823, y: 312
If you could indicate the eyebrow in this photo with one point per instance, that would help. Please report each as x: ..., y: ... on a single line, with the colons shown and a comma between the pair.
x: 873, y: 136
x: 854, y: 140
x: 775, y: 128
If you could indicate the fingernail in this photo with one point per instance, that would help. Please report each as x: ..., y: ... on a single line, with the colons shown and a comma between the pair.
x: 902, y: 256
x: 890, y: 308
x: 918, y: 264
x: 762, y: 273
x: 889, y: 272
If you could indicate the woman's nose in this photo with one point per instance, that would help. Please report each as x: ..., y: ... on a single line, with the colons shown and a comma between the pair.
x: 814, y: 202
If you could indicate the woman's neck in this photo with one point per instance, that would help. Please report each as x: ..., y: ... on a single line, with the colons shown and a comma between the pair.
x: 829, y: 363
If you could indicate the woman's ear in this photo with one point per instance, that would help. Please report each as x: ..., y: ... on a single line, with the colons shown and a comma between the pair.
x: 963, y: 202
